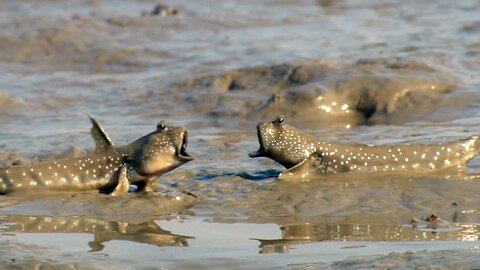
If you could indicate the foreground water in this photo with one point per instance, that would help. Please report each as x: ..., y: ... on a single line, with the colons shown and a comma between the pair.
x: 364, y: 71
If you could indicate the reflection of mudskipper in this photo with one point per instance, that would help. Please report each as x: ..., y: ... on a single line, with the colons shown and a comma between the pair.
x: 292, y: 234
x: 303, y: 233
x: 103, y: 231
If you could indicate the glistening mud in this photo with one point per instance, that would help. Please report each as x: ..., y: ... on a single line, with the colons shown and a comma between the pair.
x: 344, y: 71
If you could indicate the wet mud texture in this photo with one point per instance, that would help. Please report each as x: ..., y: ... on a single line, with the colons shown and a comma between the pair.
x: 23, y: 256
x: 445, y: 259
x: 399, y: 72
x: 369, y: 91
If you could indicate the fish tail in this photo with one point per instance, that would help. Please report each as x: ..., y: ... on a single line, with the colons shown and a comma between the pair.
x: 471, y: 146
x: 476, y: 144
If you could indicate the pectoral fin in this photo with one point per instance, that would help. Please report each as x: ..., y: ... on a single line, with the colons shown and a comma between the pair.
x: 149, y: 184
x: 302, y: 170
x: 100, y: 137
x: 123, y: 184
x: 95, y: 246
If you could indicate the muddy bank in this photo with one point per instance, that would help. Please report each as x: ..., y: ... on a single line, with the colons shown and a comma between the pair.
x: 444, y: 259
x: 335, y: 200
x: 121, y: 37
x: 78, y: 42
x: 14, y: 255
x: 133, y: 207
x: 218, y: 68
x: 20, y: 256
x: 160, y: 66
x: 326, y: 93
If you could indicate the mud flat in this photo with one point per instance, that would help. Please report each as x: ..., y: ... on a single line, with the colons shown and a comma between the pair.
x: 444, y: 259
x: 369, y: 91
x: 346, y: 71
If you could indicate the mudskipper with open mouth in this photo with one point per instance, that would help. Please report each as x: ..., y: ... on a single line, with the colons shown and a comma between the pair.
x: 109, y: 169
x: 298, y: 150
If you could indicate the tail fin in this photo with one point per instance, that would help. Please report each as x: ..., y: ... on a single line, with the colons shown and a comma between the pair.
x: 470, y: 147
x: 476, y: 144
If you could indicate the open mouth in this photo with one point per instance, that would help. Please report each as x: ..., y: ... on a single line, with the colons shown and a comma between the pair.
x: 261, y: 150
x: 183, y: 148
x: 259, y: 153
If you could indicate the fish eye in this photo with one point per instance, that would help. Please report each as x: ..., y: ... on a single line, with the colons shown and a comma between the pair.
x: 280, y: 119
x: 161, y: 126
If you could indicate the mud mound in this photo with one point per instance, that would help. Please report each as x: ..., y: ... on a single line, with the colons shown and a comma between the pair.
x: 443, y: 259
x: 370, y: 91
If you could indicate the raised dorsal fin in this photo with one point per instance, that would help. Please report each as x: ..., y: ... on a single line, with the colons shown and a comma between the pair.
x: 100, y: 137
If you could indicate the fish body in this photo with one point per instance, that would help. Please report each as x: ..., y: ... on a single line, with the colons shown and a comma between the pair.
x: 109, y: 169
x: 294, y: 148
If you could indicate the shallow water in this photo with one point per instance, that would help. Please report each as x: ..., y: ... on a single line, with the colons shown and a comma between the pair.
x: 358, y: 71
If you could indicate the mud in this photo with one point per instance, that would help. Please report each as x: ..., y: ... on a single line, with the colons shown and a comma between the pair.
x: 445, y: 259
x: 345, y: 71
x: 326, y: 94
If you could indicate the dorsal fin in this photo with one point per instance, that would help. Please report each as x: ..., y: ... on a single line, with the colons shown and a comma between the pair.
x: 100, y: 137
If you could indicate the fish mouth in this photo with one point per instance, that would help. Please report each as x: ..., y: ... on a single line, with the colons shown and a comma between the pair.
x: 261, y: 152
x: 183, y: 148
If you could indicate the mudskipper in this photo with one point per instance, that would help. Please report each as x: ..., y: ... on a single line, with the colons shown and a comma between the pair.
x: 109, y: 169
x: 299, y: 151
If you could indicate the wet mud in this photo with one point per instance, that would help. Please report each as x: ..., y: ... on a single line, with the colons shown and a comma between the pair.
x: 345, y: 71
x: 370, y: 91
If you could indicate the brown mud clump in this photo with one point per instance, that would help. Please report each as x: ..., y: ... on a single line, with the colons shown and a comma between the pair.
x: 163, y: 10
x: 369, y: 91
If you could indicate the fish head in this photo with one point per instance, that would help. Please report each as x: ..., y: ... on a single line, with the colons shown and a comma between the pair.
x: 161, y: 151
x: 283, y: 143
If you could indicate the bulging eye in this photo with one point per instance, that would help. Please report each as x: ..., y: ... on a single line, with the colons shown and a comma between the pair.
x: 161, y: 126
x: 279, y: 119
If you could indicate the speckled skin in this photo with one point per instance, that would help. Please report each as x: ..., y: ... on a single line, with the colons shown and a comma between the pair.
x: 292, y: 147
x: 138, y: 163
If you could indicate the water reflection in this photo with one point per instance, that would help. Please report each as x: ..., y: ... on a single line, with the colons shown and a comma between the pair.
x: 103, y: 231
x: 303, y: 233
x: 254, y: 176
